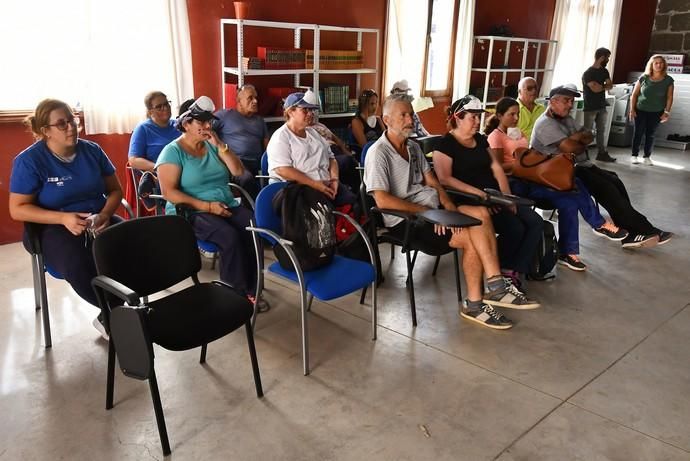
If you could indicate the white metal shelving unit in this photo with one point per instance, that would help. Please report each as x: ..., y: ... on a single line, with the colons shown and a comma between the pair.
x: 527, y: 43
x: 242, y: 24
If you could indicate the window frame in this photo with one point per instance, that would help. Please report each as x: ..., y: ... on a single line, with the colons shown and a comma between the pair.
x: 451, y: 58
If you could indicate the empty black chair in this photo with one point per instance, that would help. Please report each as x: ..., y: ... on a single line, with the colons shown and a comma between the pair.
x: 192, y: 317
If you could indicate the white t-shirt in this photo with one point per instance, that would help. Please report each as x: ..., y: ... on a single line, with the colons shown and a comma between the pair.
x: 310, y: 155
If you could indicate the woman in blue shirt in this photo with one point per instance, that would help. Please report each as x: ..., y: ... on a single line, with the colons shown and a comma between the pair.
x: 194, y: 171
x: 68, y: 184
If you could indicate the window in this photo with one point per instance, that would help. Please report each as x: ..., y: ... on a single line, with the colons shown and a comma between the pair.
x: 440, y: 47
x: 98, y: 55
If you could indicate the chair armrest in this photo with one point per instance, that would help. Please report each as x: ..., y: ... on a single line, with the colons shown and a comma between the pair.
x: 287, y: 246
x: 130, y: 335
x: 221, y: 283
x: 128, y: 209
x: 116, y: 288
x: 244, y: 193
x: 400, y: 214
x: 362, y: 234
x: 499, y: 198
x: 271, y: 234
x: 478, y: 201
x: 448, y: 218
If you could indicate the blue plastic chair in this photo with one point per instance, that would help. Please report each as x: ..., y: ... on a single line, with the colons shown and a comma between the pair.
x: 343, y: 276
x: 39, y: 268
x: 363, y: 155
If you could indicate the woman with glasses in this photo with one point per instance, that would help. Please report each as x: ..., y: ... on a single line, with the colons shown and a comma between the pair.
x: 297, y: 152
x: 367, y: 126
x: 194, y: 171
x: 146, y: 143
x: 68, y: 185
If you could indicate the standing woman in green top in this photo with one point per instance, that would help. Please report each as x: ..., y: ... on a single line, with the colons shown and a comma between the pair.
x: 651, y: 104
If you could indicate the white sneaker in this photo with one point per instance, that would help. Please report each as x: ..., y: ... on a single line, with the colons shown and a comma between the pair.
x: 648, y: 161
x: 635, y: 160
x: 101, y: 329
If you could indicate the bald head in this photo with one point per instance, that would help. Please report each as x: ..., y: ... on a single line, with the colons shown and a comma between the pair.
x: 527, y: 90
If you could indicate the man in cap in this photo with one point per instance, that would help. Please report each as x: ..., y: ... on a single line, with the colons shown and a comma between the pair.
x: 246, y: 133
x: 595, y: 82
x: 402, y: 87
x: 556, y: 131
x: 297, y: 152
x: 399, y: 178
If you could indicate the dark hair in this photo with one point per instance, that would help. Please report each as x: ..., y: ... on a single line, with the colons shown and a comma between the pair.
x: 450, y: 112
x: 364, y: 98
x: 602, y: 52
x: 184, y: 107
x: 502, y: 106
x: 41, y: 116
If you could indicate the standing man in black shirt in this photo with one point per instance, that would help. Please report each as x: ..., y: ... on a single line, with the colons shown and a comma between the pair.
x: 595, y: 82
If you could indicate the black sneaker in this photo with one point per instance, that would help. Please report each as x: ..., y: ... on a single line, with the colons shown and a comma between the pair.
x: 572, y: 263
x: 487, y: 316
x: 616, y: 236
x: 605, y: 157
x: 640, y: 240
x: 509, y: 296
x: 664, y: 237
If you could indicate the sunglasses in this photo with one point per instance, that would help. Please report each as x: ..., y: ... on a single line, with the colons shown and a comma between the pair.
x: 531, y: 88
x: 161, y: 106
x: 62, y: 124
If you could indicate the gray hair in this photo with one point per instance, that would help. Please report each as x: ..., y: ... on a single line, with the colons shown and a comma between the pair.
x: 524, y: 80
x: 246, y: 86
x: 392, y: 99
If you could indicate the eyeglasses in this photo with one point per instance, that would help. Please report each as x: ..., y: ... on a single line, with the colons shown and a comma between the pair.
x: 161, y: 106
x: 63, y: 124
x: 307, y: 110
x: 531, y: 88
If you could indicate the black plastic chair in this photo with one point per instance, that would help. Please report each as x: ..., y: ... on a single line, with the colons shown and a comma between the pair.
x: 374, y: 219
x: 39, y: 268
x: 190, y: 318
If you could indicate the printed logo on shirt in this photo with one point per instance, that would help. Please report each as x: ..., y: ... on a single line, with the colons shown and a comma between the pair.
x: 59, y: 181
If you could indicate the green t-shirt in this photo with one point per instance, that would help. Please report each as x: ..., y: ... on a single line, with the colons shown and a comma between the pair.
x: 652, y: 96
x: 204, y: 178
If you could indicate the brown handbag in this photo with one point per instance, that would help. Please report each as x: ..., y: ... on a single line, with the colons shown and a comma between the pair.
x: 554, y: 171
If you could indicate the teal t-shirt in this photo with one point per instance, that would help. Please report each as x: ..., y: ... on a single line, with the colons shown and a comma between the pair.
x: 204, y: 178
x: 652, y: 96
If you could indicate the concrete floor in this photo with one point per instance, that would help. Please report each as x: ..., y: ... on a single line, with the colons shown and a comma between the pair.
x: 599, y: 373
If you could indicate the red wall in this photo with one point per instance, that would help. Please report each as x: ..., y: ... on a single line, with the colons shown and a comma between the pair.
x: 637, y: 20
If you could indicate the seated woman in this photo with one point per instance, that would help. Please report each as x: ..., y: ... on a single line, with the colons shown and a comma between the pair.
x: 297, y: 152
x: 69, y: 185
x: 194, y: 170
x: 463, y: 162
x: 504, y: 137
x: 347, y: 164
x: 367, y: 126
x: 146, y: 143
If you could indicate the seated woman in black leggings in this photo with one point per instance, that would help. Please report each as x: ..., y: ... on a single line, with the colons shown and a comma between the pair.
x: 68, y: 185
x: 463, y: 162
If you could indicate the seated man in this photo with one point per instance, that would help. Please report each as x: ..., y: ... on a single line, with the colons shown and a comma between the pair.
x: 402, y: 87
x: 530, y: 111
x: 399, y: 178
x: 556, y: 131
x: 297, y: 152
x: 245, y: 132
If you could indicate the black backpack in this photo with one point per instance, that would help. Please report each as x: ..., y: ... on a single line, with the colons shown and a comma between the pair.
x: 308, y: 222
x: 546, y: 256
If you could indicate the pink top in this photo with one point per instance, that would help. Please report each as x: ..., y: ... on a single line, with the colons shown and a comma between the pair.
x: 500, y: 140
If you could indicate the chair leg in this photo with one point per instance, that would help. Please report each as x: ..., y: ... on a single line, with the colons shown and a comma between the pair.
x: 363, y: 295
x: 110, y: 382
x: 305, y: 333
x: 213, y: 261
x: 410, y: 267
x: 458, y: 287
x: 410, y: 286
x: 373, y: 310
x: 438, y: 260
x: 310, y: 298
x: 255, y: 362
x: 202, y: 358
x: 41, y: 296
x: 392, y: 251
x: 158, y: 409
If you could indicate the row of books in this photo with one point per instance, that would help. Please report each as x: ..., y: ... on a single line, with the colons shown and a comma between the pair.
x: 281, y: 58
x: 335, y: 59
x: 253, y: 63
x: 335, y: 98
x: 294, y: 58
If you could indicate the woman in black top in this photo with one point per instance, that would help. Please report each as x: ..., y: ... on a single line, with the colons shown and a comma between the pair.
x: 463, y: 161
x: 367, y: 126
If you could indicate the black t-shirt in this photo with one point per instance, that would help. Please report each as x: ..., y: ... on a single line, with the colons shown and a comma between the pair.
x: 471, y: 165
x: 594, y: 101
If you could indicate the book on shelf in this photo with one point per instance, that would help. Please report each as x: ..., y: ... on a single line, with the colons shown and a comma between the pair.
x: 253, y: 63
x: 335, y: 98
x: 281, y: 58
x: 335, y: 59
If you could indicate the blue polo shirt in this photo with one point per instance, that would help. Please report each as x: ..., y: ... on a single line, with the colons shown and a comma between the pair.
x: 77, y: 186
x: 149, y: 139
x: 244, y: 135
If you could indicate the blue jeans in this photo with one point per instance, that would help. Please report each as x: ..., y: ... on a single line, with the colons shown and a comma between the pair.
x: 645, y: 123
x: 568, y: 204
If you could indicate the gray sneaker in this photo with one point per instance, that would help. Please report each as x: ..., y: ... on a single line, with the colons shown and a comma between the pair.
x: 509, y: 296
x: 487, y: 316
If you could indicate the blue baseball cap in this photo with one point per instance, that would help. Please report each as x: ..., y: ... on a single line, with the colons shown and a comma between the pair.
x: 307, y: 99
